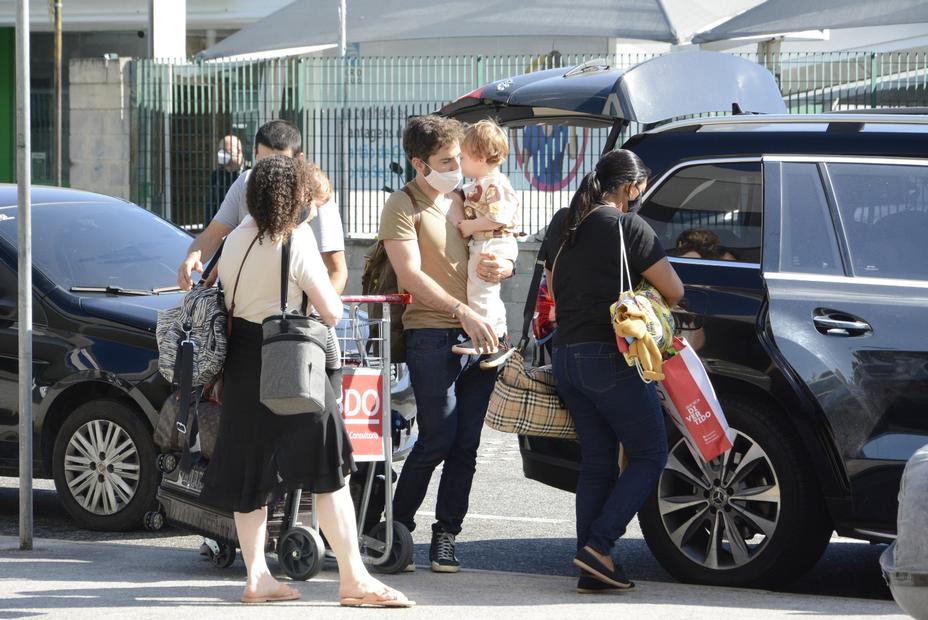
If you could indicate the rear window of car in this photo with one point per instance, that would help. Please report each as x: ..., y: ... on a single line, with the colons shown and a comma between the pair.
x: 884, y: 212
x: 709, y: 211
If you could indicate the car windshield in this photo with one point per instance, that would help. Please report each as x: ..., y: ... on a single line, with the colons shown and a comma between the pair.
x: 99, y: 244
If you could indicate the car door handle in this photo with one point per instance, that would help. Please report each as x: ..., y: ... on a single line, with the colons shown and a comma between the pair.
x: 831, y: 326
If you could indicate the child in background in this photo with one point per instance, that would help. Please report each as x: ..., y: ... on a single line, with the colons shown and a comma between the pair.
x: 318, y: 189
x: 490, y: 220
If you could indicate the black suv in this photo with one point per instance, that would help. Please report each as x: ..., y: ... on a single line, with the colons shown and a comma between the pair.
x: 806, y: 301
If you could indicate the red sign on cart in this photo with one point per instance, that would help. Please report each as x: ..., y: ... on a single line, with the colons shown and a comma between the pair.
x: 362, y: 410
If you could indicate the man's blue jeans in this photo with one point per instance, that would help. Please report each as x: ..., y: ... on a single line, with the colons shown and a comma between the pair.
x: 610, y: 404
x: 452, y: 393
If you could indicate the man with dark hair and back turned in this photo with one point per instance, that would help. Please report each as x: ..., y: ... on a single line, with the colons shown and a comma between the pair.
x: 277, y: 137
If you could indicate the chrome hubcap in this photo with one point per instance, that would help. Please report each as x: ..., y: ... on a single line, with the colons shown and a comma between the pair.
x: 101, y: 467
x: 720, y: 514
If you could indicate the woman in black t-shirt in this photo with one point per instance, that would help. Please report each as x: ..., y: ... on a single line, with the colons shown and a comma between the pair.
x: 607, y: 399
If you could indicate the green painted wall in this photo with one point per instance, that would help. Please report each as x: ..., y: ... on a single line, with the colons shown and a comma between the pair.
x: 7, y: 104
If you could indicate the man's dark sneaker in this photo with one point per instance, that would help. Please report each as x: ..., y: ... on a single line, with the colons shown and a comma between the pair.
x: 591, y: 564
x: 588, y: 584
x: 441, y: 553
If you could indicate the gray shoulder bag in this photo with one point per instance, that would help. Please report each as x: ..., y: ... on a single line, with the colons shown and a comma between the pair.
x: 293, y: 376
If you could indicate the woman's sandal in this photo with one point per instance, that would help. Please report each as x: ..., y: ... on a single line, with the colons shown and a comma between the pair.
x: 376, y: 599
x: 283, y: 593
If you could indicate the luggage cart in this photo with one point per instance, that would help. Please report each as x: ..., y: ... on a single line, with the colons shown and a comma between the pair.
x: 292, y: 530
x: 378, y: 433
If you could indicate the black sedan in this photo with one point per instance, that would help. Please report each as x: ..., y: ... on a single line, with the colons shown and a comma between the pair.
x: 103, y: 268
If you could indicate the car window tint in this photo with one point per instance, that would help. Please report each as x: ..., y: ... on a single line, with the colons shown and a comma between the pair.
x: 709, y: 211
x: 101, y: 244
x: 807, y: 243
x: 884, y: 211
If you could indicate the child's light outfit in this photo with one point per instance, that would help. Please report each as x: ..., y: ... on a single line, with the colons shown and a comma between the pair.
x: 491, y: 196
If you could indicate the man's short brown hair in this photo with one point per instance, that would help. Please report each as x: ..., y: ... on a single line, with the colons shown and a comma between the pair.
x: 488, y: 140
x: 426, y: 134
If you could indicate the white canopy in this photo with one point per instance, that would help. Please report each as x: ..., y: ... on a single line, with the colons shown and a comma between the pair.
x: 310, y: 23
x: 785, y: 16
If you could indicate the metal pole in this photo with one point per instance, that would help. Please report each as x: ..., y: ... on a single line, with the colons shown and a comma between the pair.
x: 58, y: 53
x: 24, y: 217
x: 342, y: 142
x: 342, y: 27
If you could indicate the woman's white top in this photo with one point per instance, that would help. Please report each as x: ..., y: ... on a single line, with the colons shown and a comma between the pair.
x: 258, y: 294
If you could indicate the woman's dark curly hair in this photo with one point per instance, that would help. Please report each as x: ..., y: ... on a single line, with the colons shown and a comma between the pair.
x: 275, y: 195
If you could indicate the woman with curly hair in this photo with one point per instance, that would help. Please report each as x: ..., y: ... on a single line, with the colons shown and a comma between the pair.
x: 259, y: 455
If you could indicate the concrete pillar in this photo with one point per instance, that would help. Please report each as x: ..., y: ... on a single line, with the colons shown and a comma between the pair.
x: 167, y: 29
x: 100, y: 125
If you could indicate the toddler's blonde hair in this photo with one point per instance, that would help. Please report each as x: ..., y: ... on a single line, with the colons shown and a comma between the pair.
x: 488, y: 140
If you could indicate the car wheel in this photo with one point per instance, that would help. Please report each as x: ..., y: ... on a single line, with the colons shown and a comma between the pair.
x: 754, y: 516
x: 104, y: 466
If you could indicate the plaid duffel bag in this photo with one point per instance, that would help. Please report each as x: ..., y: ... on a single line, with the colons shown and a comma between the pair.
x: 526, y: 402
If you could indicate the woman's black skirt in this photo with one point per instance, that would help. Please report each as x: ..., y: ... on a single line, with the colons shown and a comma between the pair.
x: 259, y: 455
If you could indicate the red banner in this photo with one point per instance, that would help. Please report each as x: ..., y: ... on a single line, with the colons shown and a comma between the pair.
x: 361, y: 407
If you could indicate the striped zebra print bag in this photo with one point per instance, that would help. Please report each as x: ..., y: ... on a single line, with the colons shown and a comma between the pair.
x: 199, y: 323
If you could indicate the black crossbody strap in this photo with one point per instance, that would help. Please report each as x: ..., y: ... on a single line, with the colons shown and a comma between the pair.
x: 212, y: 262
x: 284, y: 274
x: 529, y: 311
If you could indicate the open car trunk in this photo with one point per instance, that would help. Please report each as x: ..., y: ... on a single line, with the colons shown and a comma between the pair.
x: 596, y: 95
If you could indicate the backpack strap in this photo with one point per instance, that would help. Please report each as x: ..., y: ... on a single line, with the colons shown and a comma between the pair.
x: 212, y: 262
x: 416, y: 211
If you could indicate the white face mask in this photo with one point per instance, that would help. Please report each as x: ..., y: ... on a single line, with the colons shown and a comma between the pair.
x: 223, y: 157
x: 444, y: 182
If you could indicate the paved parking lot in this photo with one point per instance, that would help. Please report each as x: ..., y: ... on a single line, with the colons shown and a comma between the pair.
x: 515, y: 525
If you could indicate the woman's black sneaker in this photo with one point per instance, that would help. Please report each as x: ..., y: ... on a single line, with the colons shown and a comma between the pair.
x: 588, y: 584
x: 614, y: 577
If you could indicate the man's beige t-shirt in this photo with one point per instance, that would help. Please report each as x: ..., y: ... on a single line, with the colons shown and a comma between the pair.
x: 441, y: 247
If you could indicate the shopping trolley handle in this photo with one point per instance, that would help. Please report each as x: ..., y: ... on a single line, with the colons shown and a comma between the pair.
x: 398, y: 298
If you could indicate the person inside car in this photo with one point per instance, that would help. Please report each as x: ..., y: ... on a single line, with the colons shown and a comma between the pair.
x: 701, y: 243
x: 607, y: 399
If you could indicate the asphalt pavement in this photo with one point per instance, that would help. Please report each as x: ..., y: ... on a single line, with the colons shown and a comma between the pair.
x: 517, y: 544
x: 109, y: 580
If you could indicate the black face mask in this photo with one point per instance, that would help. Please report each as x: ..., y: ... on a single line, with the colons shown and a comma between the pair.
x: 634, y: 205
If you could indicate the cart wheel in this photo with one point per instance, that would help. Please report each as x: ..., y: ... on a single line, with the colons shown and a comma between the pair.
x: 225, y: 558
x: 301, y: 552
x: 401, y: 550
x: 167, y: 463
x: 154, y: 520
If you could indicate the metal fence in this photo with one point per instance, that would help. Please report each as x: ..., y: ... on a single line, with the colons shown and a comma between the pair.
x: 352, y: 112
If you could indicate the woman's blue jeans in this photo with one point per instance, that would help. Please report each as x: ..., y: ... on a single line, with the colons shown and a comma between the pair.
x: 610, y: 404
